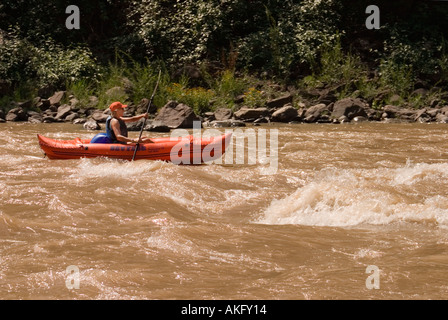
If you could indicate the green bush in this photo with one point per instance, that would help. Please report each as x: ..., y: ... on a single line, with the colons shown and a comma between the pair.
x: 51, y: 64
x: 197, y: 98
x: 175, y: 32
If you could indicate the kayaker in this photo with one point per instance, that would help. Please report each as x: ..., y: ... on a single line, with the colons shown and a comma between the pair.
x: 116, y: 129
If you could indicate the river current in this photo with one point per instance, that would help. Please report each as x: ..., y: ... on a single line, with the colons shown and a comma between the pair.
x: 344, y: 200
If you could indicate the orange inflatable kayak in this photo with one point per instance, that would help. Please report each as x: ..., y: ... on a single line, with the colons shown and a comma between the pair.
x: 179, y: 150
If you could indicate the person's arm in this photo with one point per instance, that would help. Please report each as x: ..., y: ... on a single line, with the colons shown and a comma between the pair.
x: 116, y: 128
x: 135, y: 118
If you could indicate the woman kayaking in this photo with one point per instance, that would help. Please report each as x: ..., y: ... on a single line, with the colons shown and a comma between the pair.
x: 116, y: 129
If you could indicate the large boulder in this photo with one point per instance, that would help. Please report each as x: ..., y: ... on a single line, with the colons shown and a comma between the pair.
x: 25, y: 104
x: 43, y: 104
x: 401, y: 113
x: 223, y: 114
x: 35, y: 117
x: 80, y: 121
x: 279, y: 102
x: 71, y: 117
x: 100, y: 116
x: 285, y: 114
x: 176, y: 115
x: 249, y: 114
x: 315, y: 112
x: 349, y: 108
x: 56, y: 98
x: 91, y: 125
x: 16, y: 114
x: 157, y: 126
x: 142, y: 107
x: 63, y: 111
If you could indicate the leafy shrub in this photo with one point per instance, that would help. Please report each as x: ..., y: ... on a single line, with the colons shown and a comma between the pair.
x: 197, y: 98
x: 51, y: 64
x: 254, y: 98
x: 227, y: 86
x: 175, y: 32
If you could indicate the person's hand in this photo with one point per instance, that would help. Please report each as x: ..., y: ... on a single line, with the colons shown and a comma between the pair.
x: 145, y: 115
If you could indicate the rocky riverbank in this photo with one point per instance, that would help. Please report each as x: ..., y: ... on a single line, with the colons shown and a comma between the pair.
x: 284, y: 109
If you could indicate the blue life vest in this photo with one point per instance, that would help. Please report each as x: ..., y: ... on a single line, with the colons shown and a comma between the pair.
x: 110, y: 132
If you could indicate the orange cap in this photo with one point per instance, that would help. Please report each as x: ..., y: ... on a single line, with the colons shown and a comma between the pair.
x: 117, y: 105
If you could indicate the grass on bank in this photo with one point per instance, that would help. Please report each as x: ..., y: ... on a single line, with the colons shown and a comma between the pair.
x: 393, y: 83
x: 342, y: 72
x: 130, y: 81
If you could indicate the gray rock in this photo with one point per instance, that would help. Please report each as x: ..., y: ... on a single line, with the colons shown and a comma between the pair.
x: 397, y: 112
x: 313, y: 113
x: 91, y: 125
x: 48, y: 119
x: 25, y: 104
x: 99, y: 116
x: 279, y: 102
x: 209, y: 116
x: 43, y: 104
x: 79, y: 121
x: 55, y: 99
x: 223, y: 114
x: 285, y: 114
x: 250, y: 114
x: 262, y: 120
x: 433, y: 112
x: 35, y: 119
x: 71, y: 117
x: 176, y: 115
x: 359, y: 119
x: 343, y: 119
x: 135, y: 126
x: 350, y: 108
x: 63, y: 111
x: 157, y: 126
x: 142, y: 107
x: 16, y: 114
x: 74, y: 103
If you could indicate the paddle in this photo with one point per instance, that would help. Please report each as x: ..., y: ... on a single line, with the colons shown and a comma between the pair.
x: 144, y: 121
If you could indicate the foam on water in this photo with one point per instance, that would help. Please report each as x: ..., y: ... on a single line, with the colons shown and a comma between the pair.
x: 352, y: 197
x: 108, y: 168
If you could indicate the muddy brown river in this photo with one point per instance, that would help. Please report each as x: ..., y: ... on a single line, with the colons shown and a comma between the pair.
x: 351, y: 211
